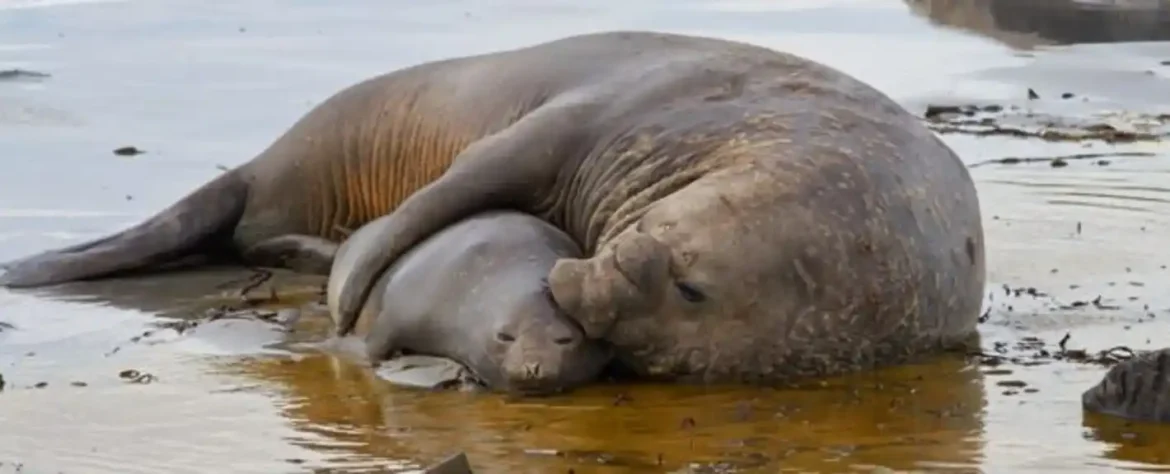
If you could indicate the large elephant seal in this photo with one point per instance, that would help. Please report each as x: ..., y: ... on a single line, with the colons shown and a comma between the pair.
x: 475, y: 293
x: 1135, y: 389
x: 746, y: 213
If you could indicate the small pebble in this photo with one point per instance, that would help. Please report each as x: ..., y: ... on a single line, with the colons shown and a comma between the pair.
x: 128, y: 151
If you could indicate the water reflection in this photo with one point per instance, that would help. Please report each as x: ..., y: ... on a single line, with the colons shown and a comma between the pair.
x: 915, y: 417
x: 69, y: 345
x: 920, y: 417
x: 185, y: 292
x: 1129, y: 441
x: 1028, y: 23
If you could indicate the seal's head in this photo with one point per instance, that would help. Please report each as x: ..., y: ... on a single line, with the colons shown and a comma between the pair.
x: 535, y: 350
x: 689, y: 268
x: 754, y: 265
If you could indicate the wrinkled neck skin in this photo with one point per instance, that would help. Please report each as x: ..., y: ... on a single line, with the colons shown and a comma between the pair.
x: 605, y: 190
x: 602, y: 204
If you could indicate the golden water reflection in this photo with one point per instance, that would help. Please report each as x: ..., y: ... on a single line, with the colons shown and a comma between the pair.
x: 925, y: 416
x: 240, y: 394
x: 1138, y: 443
x: 916, y: 417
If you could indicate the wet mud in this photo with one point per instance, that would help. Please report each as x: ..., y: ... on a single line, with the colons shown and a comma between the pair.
x: 1053, y: 106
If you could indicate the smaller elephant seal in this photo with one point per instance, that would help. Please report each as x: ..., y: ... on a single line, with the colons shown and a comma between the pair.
x: 476, y: 293
x: 1136, y: 389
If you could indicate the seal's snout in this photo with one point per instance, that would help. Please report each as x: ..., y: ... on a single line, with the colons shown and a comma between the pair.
x: 533, y: 378
x: 531, y: 371
x: 627, y: 277
x: 644, y: 262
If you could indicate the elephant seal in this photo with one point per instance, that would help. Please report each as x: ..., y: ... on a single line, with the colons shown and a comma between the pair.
x: 475, y: 293
x: 745, y: 214
x: 1136, y: 389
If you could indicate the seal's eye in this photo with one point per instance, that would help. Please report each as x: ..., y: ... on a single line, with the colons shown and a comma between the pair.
x: 505, y: 337
x: 690, y: 293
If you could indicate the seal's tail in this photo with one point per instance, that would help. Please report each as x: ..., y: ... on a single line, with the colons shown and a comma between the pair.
x: 180, y: 230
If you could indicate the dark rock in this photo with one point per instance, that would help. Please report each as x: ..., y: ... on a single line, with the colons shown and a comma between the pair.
x: 1137, y: 389
x: 128, y: 151
x: 455, y: 464
x: 14, y: 74
x: 933, y: 111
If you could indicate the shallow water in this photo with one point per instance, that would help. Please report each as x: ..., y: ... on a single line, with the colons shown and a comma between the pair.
x: 200, y: 85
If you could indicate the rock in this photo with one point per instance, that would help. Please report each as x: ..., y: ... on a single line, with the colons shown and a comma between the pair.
x: 16, y: 74
x: 933, y: 111
x: 1136, y: 389
x: 455, y: 464
x: 128, y: 151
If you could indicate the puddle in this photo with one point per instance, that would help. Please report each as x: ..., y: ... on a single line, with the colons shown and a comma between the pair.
x: 201, y: 86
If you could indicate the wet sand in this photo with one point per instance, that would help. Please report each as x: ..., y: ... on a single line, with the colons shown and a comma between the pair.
x: 198, y: 86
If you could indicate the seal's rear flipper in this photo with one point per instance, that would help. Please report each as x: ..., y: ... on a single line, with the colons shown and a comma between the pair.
x: 186, y: 227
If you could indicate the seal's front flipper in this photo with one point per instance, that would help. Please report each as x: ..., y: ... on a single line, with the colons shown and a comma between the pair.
x: 300, y: 253
x: 420, y: 371
x: 509, y: 169
x: 178, y: 231
x: 380, y: 343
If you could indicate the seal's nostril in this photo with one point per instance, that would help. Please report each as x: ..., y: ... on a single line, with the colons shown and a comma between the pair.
x: 505, y: 337
x: 563, y: 341
x: 532, y: 370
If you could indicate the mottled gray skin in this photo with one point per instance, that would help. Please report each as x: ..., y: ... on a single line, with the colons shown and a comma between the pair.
x: 475, y: 293
x: 749, y: 215
x: 745, y: 214
x: 1137, y: 389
